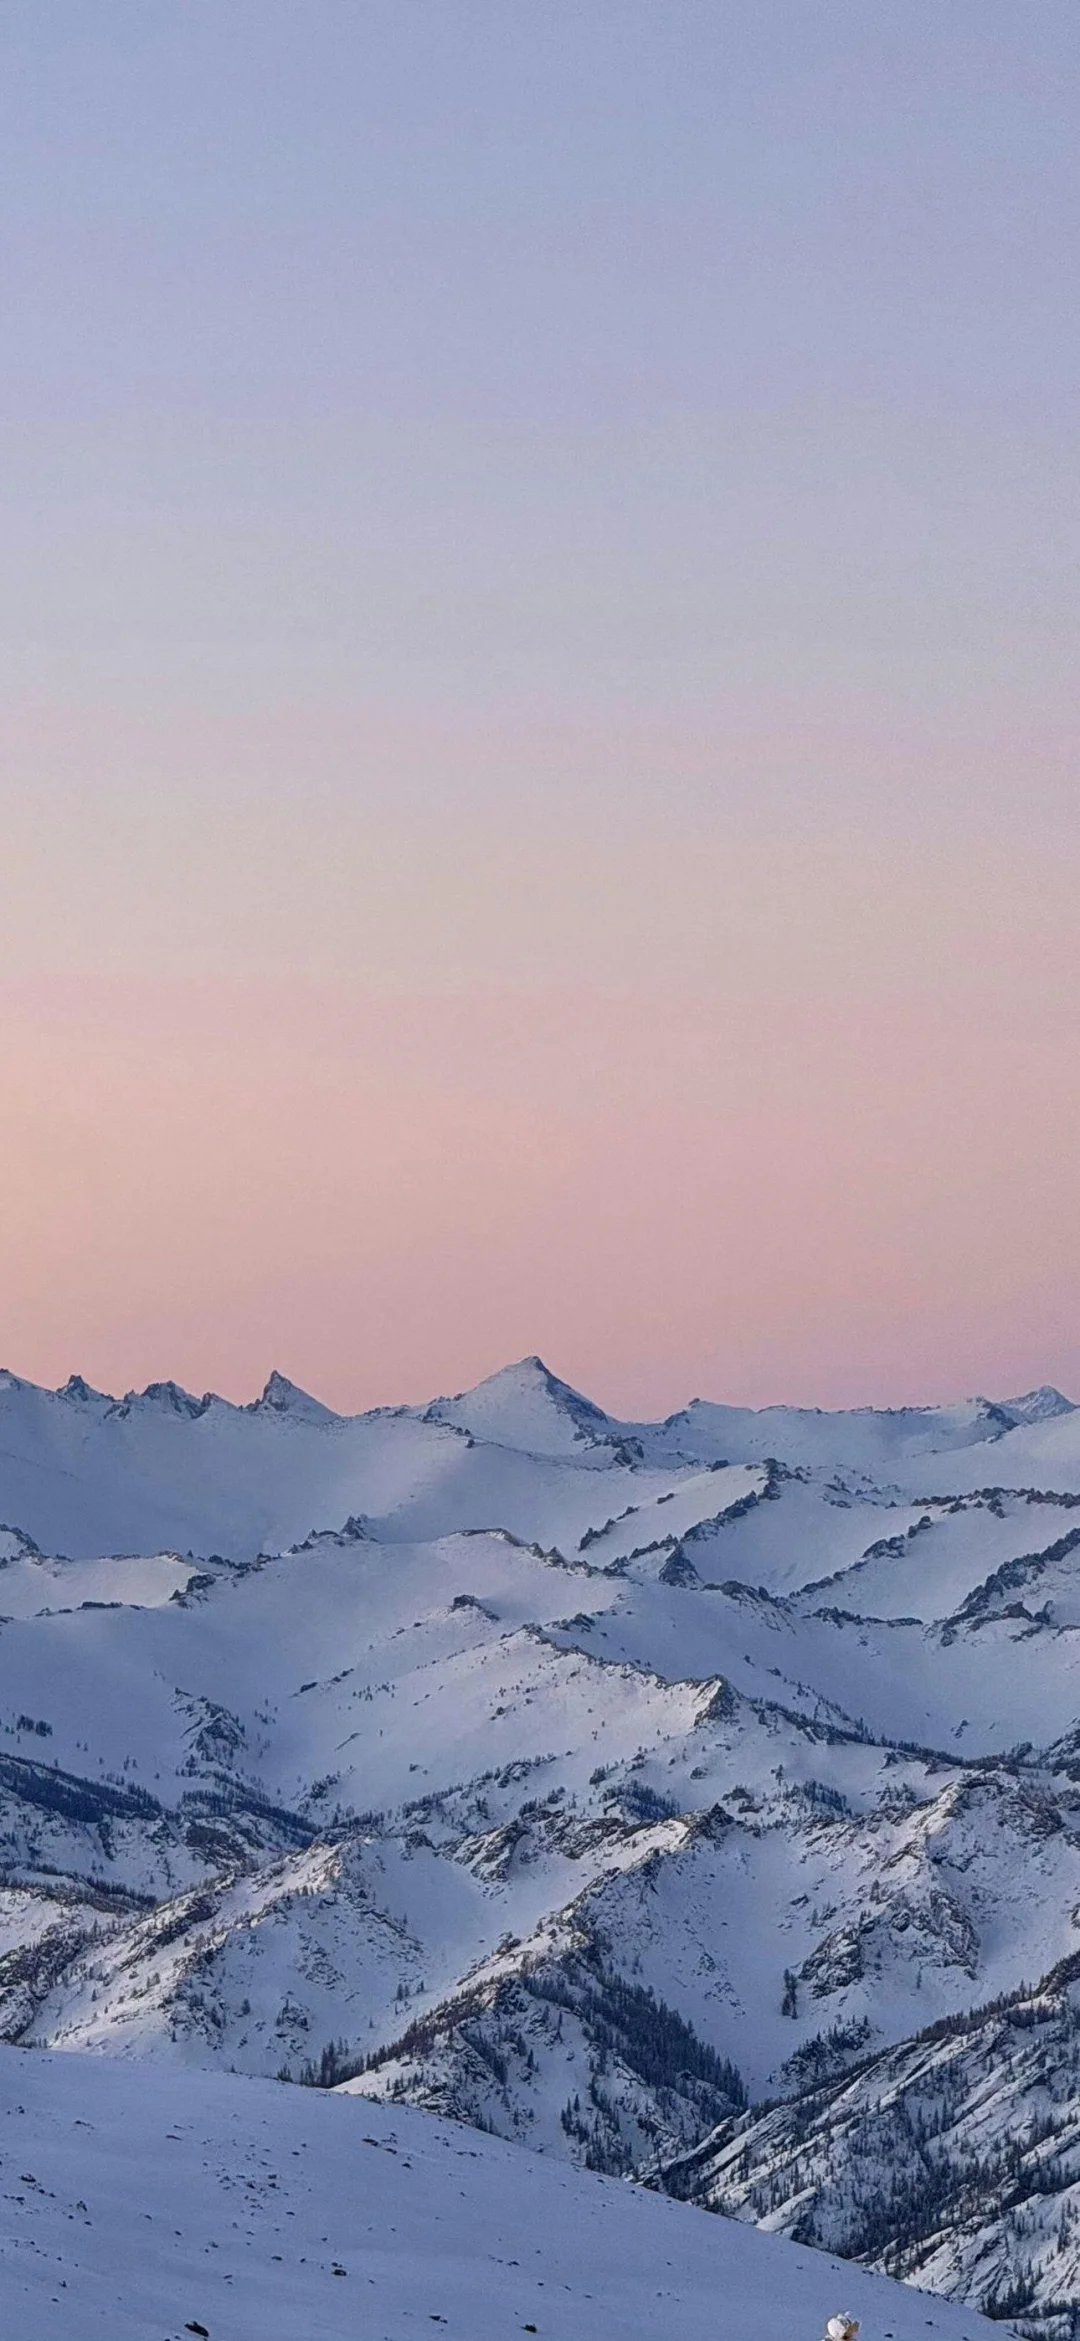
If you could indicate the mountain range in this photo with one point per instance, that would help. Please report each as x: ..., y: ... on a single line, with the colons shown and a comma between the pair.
x: 697, y: 1801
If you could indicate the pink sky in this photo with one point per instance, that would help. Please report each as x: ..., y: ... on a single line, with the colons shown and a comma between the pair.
x: 700, y: 1107
x: 539, y: 795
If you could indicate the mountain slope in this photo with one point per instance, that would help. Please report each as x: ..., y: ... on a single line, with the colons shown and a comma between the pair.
x: 258, y: 2213
x: 953, y: 2161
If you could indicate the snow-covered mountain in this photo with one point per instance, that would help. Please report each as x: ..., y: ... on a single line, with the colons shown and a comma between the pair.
x: 86, y: 1474
x: 593, y: 1782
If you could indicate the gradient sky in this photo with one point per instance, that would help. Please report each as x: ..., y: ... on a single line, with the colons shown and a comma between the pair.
x: 539, y: 795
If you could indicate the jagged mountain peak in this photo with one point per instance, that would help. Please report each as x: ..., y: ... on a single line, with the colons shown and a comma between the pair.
x: 167, y: 1398
x: 83, y: 1393
x: 16, y: 1545
x: 280, y: 1396
x: 1041, y: 1405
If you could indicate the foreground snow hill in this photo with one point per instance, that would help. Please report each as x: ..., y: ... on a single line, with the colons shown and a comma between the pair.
x: 261, y: 2213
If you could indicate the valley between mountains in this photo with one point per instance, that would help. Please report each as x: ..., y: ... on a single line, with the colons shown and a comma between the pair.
x: 697, y: 1801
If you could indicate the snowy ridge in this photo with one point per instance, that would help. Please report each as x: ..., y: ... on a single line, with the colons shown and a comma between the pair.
x: 163, y: 1470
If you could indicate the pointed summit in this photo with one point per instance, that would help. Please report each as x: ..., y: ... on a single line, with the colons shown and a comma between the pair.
x: 167, y: 1397
x: 16, y: 1545
x: 286, y: 1398
x: 83, y: 1392
x: 526, y: 1406
x: 1041, y: 1405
